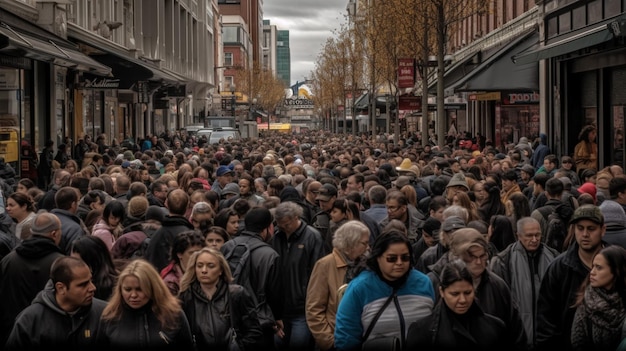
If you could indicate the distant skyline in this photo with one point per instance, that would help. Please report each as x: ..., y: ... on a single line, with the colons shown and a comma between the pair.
x: 309, y: 24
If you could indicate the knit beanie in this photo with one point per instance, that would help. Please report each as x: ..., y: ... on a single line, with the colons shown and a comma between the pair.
x: 613, y: 213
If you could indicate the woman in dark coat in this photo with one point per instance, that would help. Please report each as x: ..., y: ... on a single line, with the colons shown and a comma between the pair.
x: 457, y: 322
x: 210, y: 300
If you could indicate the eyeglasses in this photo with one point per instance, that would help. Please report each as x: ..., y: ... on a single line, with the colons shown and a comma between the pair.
x: 394, y: 258
x: 567, y: 161
x: 532, y: 235
x: 482, y: 258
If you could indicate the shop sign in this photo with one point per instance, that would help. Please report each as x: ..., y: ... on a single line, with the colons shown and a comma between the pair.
x: 521, y: 98
x: 410, y: 103
x: 485, y: 96
x: 101, y: 83
x: 299, y: 103
x: 406, y: 73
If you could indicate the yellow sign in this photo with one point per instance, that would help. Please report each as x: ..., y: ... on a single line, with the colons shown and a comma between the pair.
x: 485, y: 96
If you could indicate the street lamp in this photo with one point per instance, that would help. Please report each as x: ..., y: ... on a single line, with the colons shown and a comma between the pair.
x: 233, y: 100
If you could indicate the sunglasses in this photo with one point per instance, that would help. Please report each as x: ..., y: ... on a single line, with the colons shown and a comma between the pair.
x: 394, y: 258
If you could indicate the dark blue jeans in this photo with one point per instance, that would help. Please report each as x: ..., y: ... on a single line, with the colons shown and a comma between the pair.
x: 297, y: 335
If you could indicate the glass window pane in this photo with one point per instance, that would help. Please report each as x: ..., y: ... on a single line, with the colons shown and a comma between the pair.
x: 594, y: 9
x: 565, y: 23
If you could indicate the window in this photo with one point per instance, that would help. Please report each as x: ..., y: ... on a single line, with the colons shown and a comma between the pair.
x: 228, y: 59
x: 229, y: 80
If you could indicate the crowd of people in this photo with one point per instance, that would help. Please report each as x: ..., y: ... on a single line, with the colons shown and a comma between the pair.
x: 312, y: 242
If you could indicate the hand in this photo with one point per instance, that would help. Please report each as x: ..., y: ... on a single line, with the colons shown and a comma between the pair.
x: 279, y: 329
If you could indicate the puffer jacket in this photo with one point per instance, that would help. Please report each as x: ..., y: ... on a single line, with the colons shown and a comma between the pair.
x: 104, y: 232
x: 209, y: 319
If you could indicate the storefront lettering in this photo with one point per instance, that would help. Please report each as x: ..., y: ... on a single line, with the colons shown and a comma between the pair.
x: 103, y: 83
x: 521, y: 98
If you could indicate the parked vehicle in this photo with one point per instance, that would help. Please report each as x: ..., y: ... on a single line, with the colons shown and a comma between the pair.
x: 214, y: 135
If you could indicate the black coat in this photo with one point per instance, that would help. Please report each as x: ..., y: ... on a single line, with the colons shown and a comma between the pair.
x: 210, y: 327
x: 54, y: 326
x: 158, y: 250
x: 446, y: 330
x: 139, y: 329
x: 23, y: 273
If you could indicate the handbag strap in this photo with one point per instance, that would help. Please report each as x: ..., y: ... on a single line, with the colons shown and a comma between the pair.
x: 380, y: 312
x: 230, y: 307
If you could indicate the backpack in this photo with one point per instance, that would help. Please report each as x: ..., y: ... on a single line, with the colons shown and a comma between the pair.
x: 239, y: 262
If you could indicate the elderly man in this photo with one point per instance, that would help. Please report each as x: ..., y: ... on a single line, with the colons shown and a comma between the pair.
x: 299, y: 246
x: 24, y: 271
x: 522, y: 266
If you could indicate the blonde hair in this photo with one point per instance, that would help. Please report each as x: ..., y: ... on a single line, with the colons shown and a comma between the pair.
x: 190, y: 271
x: 164, y: 305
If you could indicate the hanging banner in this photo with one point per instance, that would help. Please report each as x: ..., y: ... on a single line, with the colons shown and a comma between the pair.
x: 410, y: 103
x: 406, y: 73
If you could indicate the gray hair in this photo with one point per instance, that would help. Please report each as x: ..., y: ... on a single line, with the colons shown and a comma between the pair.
x: 456, y: 210
x: 287, y: 209
x: 349, y: 234
x: 44, y: 223
x: 524, y: 221
x: 377, y: 194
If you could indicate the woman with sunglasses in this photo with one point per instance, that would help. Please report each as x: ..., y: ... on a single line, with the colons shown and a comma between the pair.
x: 390, y: 285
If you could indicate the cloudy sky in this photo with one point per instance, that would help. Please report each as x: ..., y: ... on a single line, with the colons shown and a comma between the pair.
x: 310, y: 23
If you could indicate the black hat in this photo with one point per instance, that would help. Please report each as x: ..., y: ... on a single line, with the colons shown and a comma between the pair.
x: 258, y: 219
x: 326, y: 192
x: 432, y: 227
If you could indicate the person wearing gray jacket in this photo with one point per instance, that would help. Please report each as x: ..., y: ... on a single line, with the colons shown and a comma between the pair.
x: 522, y: 266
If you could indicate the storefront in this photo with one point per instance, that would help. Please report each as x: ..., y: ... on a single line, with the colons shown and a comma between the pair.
x: 37, y: 74
x: 583, y: 52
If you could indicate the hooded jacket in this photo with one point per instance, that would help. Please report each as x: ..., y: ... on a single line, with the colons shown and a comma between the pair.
x: 23, y: 273
x: 158, y: 250
x: 54, y: 326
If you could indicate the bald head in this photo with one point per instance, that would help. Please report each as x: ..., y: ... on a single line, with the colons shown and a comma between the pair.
x: 48, y: 225
x: 177, y: 202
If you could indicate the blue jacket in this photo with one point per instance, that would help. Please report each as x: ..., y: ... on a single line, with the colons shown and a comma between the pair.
x: 365, y: 296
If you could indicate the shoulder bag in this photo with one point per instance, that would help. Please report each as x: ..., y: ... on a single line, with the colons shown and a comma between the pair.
x: 233, y: 343
x: 391, y: 343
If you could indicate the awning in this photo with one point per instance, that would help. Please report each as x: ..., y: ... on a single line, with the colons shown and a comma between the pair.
x: 588, y: 38
x: 15, y: 41
x: 126, y: 67
x: 363, y: 102
x: 455, y: 72
x: 499, y: 73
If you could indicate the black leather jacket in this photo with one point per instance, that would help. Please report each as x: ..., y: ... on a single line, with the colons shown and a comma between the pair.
x: 210, y: 319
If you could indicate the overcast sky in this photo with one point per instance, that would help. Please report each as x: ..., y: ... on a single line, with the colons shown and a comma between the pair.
x: 310, y: 23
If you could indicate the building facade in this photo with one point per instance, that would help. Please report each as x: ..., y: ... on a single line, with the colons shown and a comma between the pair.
x: 117, y: 69
x: 582, y: 55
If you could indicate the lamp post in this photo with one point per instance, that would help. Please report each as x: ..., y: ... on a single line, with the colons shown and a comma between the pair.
x: 233, y: 100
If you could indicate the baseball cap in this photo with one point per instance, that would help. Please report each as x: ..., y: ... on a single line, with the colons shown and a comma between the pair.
x: 590, y: 212
x: 223, y: 170
x: 452, y: 223
x: 326, y: 192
